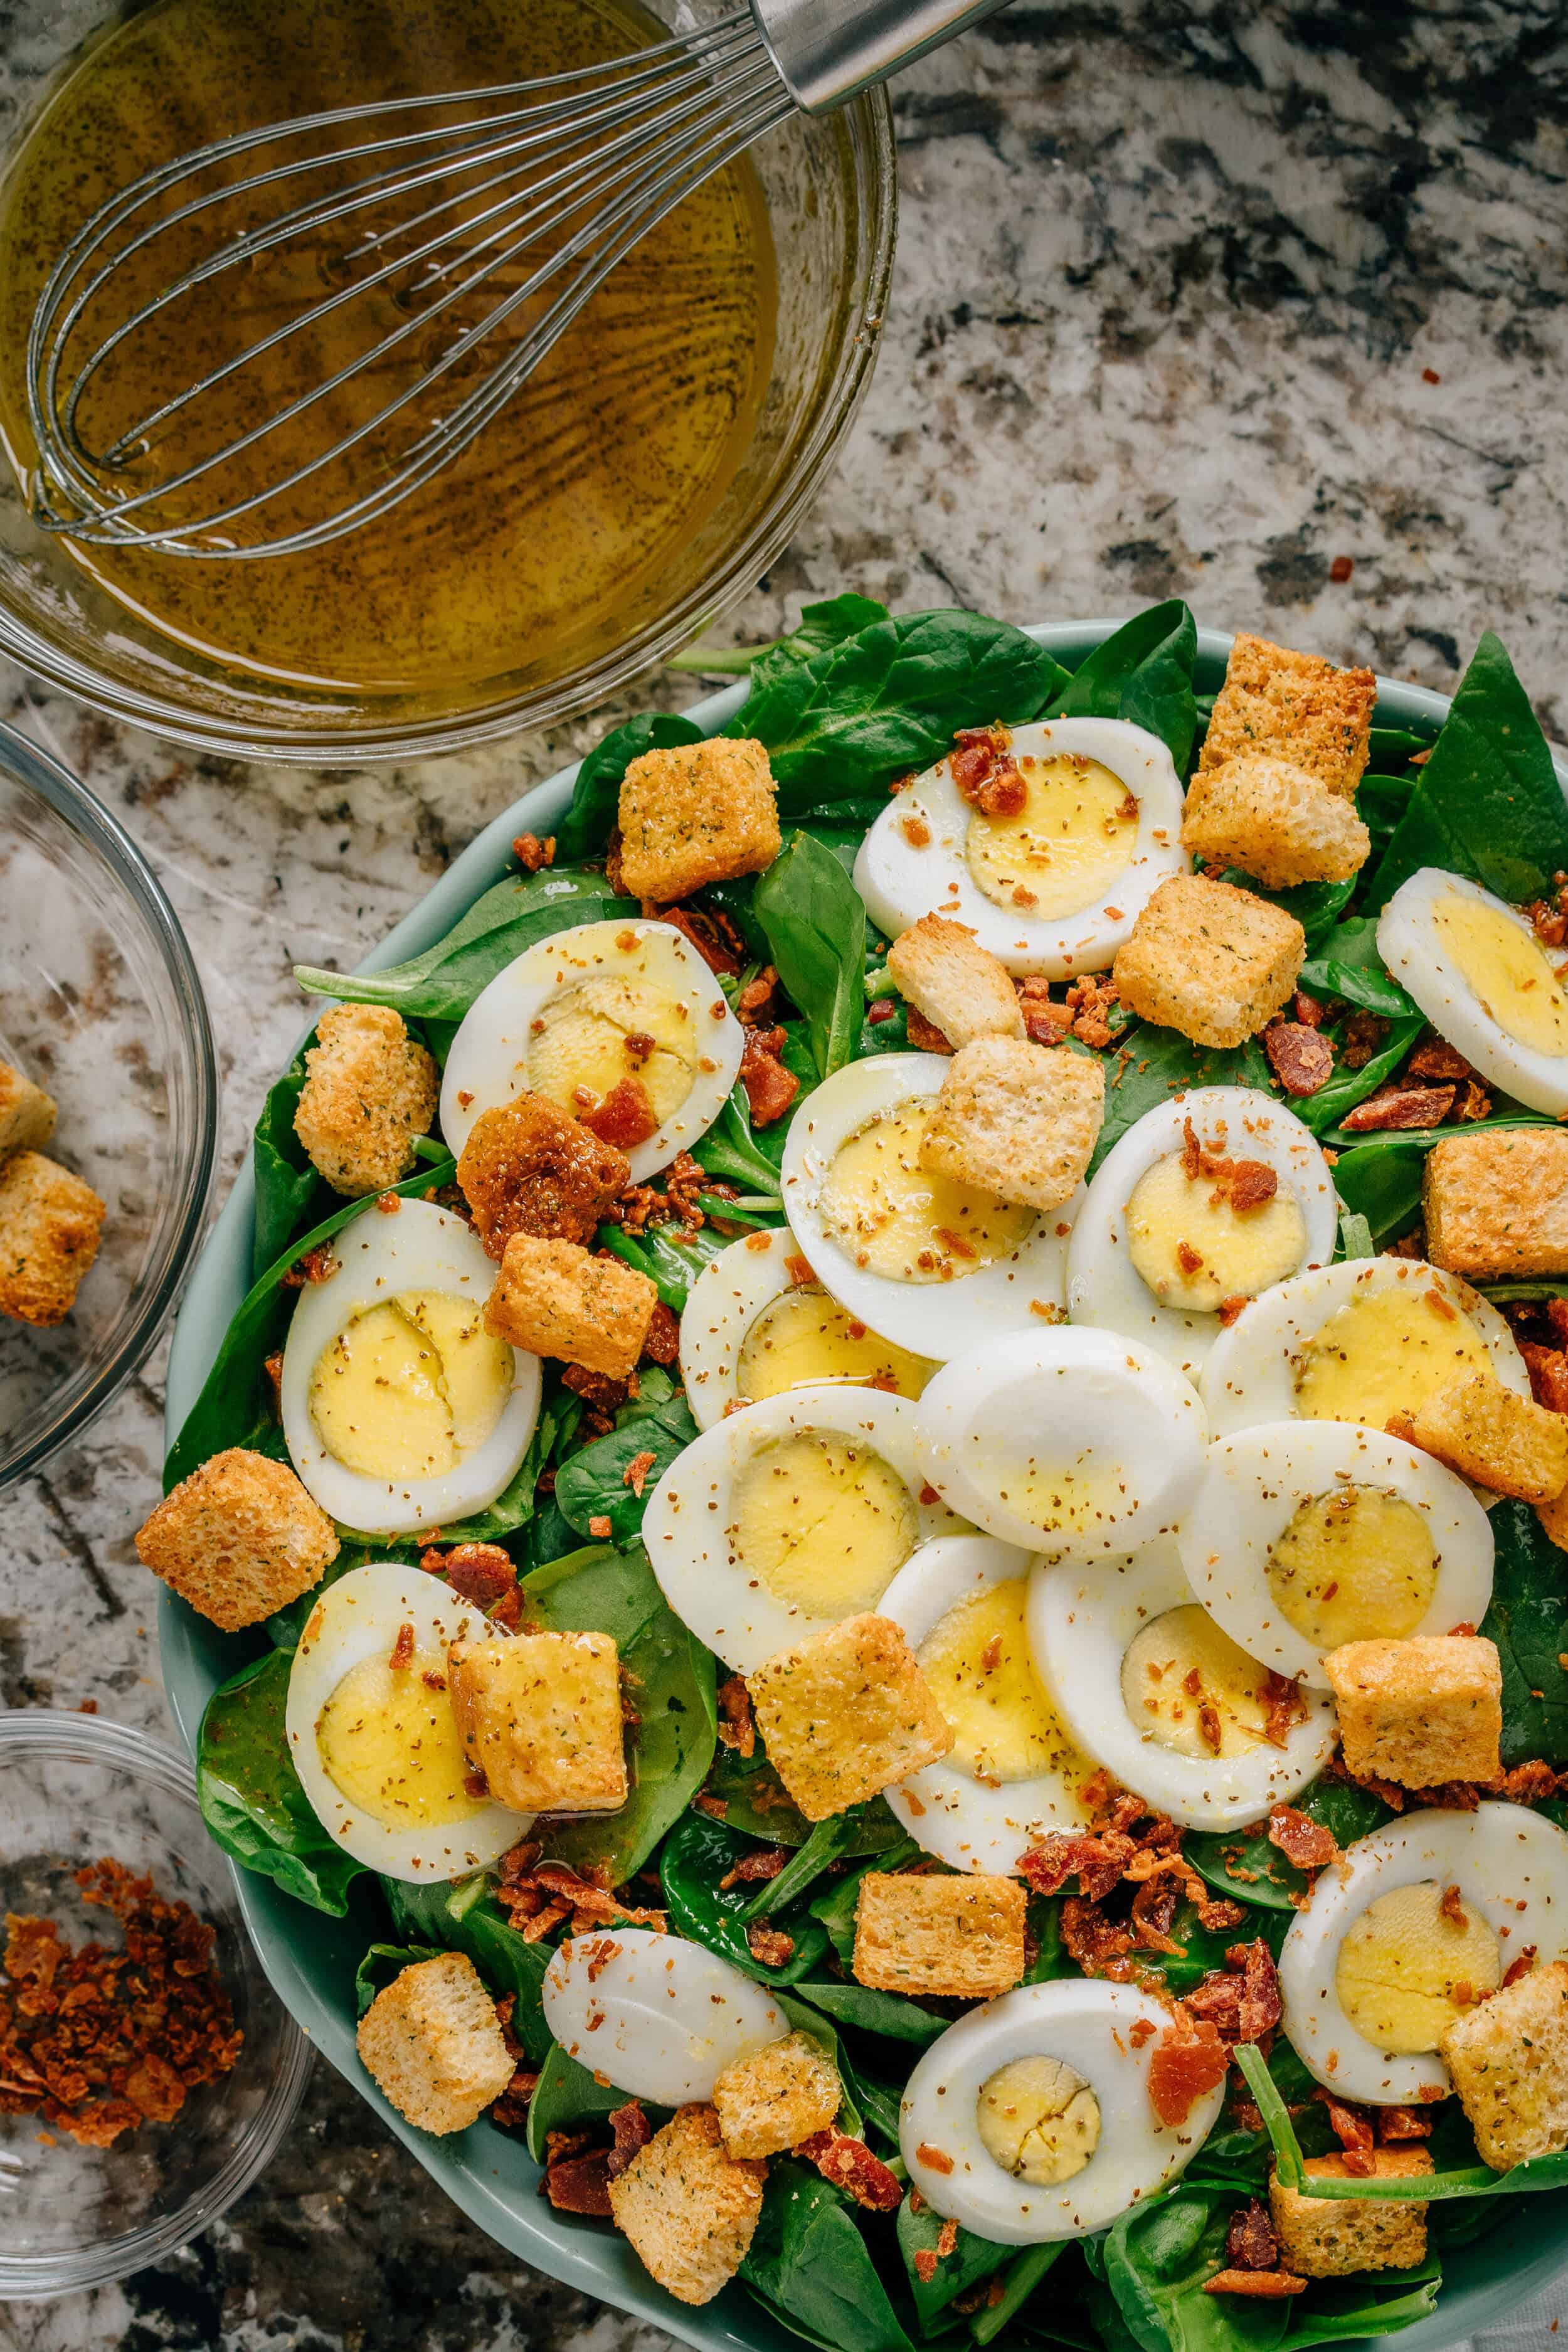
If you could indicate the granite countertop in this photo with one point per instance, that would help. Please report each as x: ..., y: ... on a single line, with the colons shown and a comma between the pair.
x: 1261, y: 305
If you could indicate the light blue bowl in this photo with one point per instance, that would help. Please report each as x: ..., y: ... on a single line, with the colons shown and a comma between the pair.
x: 311, y: 1959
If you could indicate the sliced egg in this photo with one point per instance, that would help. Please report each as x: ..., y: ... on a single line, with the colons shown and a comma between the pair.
x: 1031, y: 2118
x: 1159, y: 1243
x: 1481, y: 976
x: 588, y: 1009
x: 1054, y: 887
x: 1153, y: 1689
x: 372, y: 1733
x: 400, y: 1410
x: 1415, y: 1923
x: 1306, y: 1534
x: 659, y: 2018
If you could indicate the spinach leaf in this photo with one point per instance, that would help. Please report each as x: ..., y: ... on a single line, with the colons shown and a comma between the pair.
x: 671, y: 1259
x: 1159, y: 1062
x: 585, y: 828
x: 1395, y: 747
x: 755, y: 1800
x: 1023, y: 2277
x: 381, y: 1964
x: 287, y: 1186
x: 731, y: 1149
x: 1378, y: 1176
x: 697, y: 1854
x: 1350, y: 967
x: 808, y: 2264
x: 1243, y: 1864
x: 868, y: 1827
x: 465, y: 1918
x: 566, y: 2096
x: 890, y: 2014
x: 1157, y: 2258
x: 815, y: 920
x: 592, y: 1485
x: 1366, y: 2306
x: 514, y: 1506
x: 1143, y: 673
x: 250, y: 1794
x: 972, y: 2259
x: 1527, y: 1620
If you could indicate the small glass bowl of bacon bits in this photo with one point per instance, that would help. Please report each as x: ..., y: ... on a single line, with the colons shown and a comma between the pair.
x: 147, y: 2069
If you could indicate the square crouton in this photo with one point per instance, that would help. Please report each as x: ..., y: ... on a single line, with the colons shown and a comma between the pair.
x: 540, y: 1716
x: 1017, y: 1120
x: 700, y: 813
x: 1496, y: 1202
x: 941, y: 968
x: 845, y: 1714
x: 238, y: 1539
x: 369, y: 1090
x: 688, y: 2207
x: 529, y: 1166
x: 50, y: 1226
x: 1420, y: 1711
x: 433, y: 2043
x: 1296, y: 705
x: 1324, y: 2237
x: 1508, y: 2060
x: 958, y: 1937
x: 776, y: 2097
x: 1506, y: 1442
x: 556, y: 1299
x: 1275, y: 820
x: 1211, y: 960
x: 27, y: 1113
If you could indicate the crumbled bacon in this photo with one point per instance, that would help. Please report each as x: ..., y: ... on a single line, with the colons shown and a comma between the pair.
x: 716, y: 940
x: 1351, y: 2127
x: 538, y: 1894
x: 1185, y: 2065
x: 1153, y: 1908
x: 1364, y: 1035
x: 1046, y: 1022
x: 1548, y: 1369
x: 1527, y: 1784
x: 1438, y: 1060
x: 1242, y: 2000
x: 1286, y: 1708
x: 402, y: 1654
x: 480, y: 1572
x: 662, y: 1345
x: 1308, y: 1010
x: 923, y: 1034
x: 849, y: 2164
x: 753, y: 1004
x: 1250, y: 2244
x: 736, y: 1727
x: 1474, y: 1102
x: 882, y: 1009
x: 982, y: 769
x: 764, y: 1862
x: 1451, y: 1907
x: 635, y: 1475
x: 1097, y: 1945
x: 1519, y: 1965
x: 769, y: 1088
x: 1399, y: 1107
x: 532, y: 854
x: 1300, y: 1059
x: 626, y: 1117
x: 1303, y: 1842
x: 1098, y: 1863
x: 1245, y: 1183
x: 769, y: 1945
x: 1093, y: 1000
x: 318, y: 1264
x: 598, y: 1389
x: 1254, y: 2282
x: 1549, y: 917
x: 1395, y: 2124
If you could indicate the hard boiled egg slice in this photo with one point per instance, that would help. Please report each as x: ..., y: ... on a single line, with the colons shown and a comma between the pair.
x: 659, y: 2018
x: 1071, y: 1442
x: 1481, y: 976
x: 932, y: 1265
x: 1153, y: 1689
x: 781, y: 1520
x: 1306, y: 1534
x: 756, y: 1325
x: 372, y: 1733
x: 1413, y: 1914
x: 400, y: 1410
x: 1031, y: 2119
x: 1054, y: 887
x: 588, y: 1009
x: 1168, y: 1230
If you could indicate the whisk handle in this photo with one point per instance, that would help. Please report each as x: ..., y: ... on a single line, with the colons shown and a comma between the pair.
x: 827, y: 51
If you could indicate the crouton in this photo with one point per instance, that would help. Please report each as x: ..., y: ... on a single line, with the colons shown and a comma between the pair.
x: 1296, y: 705
x: 962, y: 1936
x: 27, y: 1113
x: 700, y: 813
x: 688, y: 2207
x: 1211, y: 960
x: 1420, y: 1711
x: 1496, y: 1202
x: 844, y: 1714
x: 433, y: 2043
x: 528, y: 1167
x: 1016, y: 1120
x: 556, y: 1299
x: 1509, y: 2060
x: 1505, y: 1442
x: 50, y: 1226
x: 941, y: 968
x: 238, y: 1539
x: 540, y: 1716
x: 369, y: 1090
x: 776, y: 2097
x: 1330, y: 2237
x: 1275, y: 820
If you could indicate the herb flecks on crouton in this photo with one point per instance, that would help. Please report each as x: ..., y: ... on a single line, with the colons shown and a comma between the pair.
x: 1509, y: 2060
x: 540, y: 1716
x: 962, y: 1937
x: 554, y: 1299
x: 960, y: 987
x: 239, y: 1539
x: 1496, y: 1202
x: 50, y: 1226
x: 432, y: 2042
x: 1333, y: 2237
x: 1275, y: 820
x: 847, y: 1713
x: 1296, y: 705
x: 1420, y: 1711
x: 1016, y: 1120
x: 369, y: 1090
x: 1211, y: 960
x: 689, y: 2208
x: 698, y: 813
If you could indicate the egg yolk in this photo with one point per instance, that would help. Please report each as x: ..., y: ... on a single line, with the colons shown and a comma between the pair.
x: 1189, y: 1687
x: 1356, y: 1565
x: 1038, y: 2119
x: 898, y: 1220
x: 613, y: 1025
x: 821, y: 1523
x: 978, y: 1664
x: 388, y: 1740
x: 1386, y: 1351
x: 1412, y: 1963
x: 805, y: 1336
x: 1067, y: 844
x: 410, y: 1387
x: 1504, y: 962
x: 1193, y: 1249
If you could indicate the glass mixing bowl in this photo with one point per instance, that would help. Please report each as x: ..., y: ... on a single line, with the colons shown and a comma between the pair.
x: 831, y: 195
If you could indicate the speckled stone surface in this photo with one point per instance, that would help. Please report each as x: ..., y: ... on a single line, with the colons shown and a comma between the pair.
x: 1194, y: 297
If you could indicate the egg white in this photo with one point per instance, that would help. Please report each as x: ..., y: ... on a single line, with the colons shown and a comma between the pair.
x: 660, y: 2017
x: 1412, y: 947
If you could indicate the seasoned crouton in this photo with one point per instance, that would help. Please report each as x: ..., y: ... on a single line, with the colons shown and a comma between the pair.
x: 27, y: 1113
x: 540, y: 1716
x: 1506, y: 1442
x: 1295, y: 706
x: 776, y: 2097
x: 50, y: 1226
x: 238, y: 1539
x: 688, y: 2207
x: 1017, y: 1120
x: 1496, y: 1202
x: 369, y: 1090
x: 1508, y: 2060
x: 1211, y: 960
x: 556, y: 1299
x: 1275, y: 820
x: 700, y: 813
x: 953, y: 982
x: 1420, y: 1711
x: 963, y: 1935
x: 1330, y: 2237
x: 529, y: 1168
x: 845, y: 1714
x: 432, y: 2042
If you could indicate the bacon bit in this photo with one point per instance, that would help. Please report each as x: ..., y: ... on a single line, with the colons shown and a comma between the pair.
x: 476, y: 1785
x: 1365, y: 1033
x: 1519, y: 1966
x: 1250, y: 2244
x: 662, y: 1345
x: 1245, y: 1183
x: 576, y: 2183
x: 736, y: 1728
x: 982, y: 769
x: 1093, y: 1002
x: 1045, y: 1021
x: 635, y: 1475
x: 882, y: 1009
x: 1302, y: 1841
x: 1187, y: 1258
x: 1185, y: 2063
x: 532, y: 854
x: 388, y: 1204
x: 1286, y: 1706
x: 1095, y: 1942
x: 1153, y: 1908
x: 432, y: 1680
x: 1142, y: 2030
x: 1548, y: 1369
x: 925, y: 2264
x: 1351, y: 2127
x: 596, y: 1390
x: 1229, y: 1309
x: 1209, y: 1727
x: 1254, y: 2282
x: 934, y: 2159
x: 1243, y: 1999
x: 923, y: 1034
x: 1300, y: 1059
x: 1474, y: 1102
x: 756, y: 997
x: 990, y: 1655
x: 799, y: 1271
x: 1452, y: 1907
x: 1527, y: 1784
x: 1098, y: 1863
x: 532, y: 1892
x: 849, y: 2164
x: 1395, y: 2124
x: 1218, y: 1912
x: 626, y: 1117
x: 272, y: 1366
x: 402, y: 1650
x: 1398, y: 1106
x: 769, y: 1088
x: 318, y: 1264
x: 764, y: 1862
x: 769, y: 1945
x: 1437, y: 1059
x: 707, y: 1803
x: 716, y: 941
x: 915, y: 830
x: 600, y: 1528
x: 1308, y: 1010
x: 480, y: 1572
